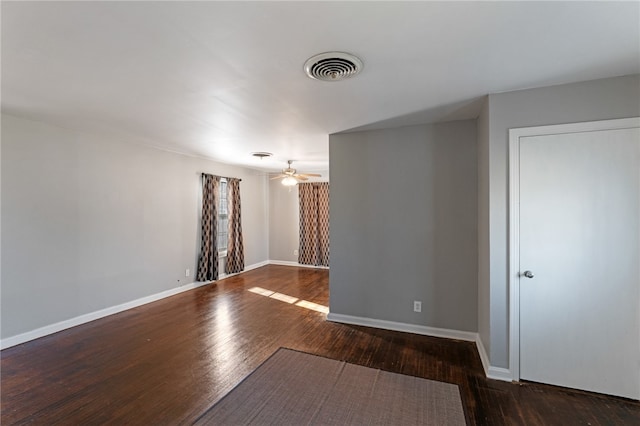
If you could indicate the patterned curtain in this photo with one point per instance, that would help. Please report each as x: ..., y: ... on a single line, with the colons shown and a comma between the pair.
x: 314, y: 223
x: 235, y: 247
x: 208, y: 262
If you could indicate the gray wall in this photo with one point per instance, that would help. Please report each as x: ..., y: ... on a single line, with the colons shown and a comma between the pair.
x: 283, y: 222
x: 89, y: 224
x: 404, y: 224
x: 586, y: 101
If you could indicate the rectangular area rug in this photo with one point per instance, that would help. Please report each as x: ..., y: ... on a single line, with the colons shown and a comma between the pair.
x: 296, y: 388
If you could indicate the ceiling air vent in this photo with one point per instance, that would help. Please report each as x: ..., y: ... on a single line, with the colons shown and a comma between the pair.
x: 332, y: 66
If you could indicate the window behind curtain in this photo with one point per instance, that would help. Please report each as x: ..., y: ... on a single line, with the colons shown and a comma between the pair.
x: 223, y: 219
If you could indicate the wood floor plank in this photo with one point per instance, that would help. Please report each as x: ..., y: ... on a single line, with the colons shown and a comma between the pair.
x: 167, y: 362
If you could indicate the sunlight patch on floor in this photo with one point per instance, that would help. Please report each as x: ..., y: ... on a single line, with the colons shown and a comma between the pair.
x: 289, y: 299
x: 261, y: 291
x: 284, y: 298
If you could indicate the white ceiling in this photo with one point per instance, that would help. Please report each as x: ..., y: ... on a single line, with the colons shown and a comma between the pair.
x: 223, y: 79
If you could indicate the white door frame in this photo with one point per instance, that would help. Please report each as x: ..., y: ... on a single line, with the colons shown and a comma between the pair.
x: 514, y: 215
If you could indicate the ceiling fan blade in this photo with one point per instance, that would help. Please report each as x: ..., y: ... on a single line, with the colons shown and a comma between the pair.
x: 310, y: 174
x: 301, y: 177
x: 278, y: 177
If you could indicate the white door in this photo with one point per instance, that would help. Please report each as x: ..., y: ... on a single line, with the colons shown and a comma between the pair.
x: 579, y: 233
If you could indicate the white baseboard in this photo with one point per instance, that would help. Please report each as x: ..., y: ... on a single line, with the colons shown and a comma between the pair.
x: 400, y: 326
x: 289, y: 263
x: 491, y: 372
x: 247, y: 268
x: 497, y: 373
x: 92, y: 316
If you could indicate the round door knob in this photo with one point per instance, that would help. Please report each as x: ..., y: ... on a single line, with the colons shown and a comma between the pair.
x: 528, y: 274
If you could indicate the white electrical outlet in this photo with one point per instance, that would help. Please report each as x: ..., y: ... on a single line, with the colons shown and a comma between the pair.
x: 417, y: 306
x: 295, y: 252
x: 187, y: 272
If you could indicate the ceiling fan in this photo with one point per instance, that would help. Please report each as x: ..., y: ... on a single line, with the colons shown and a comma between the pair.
x: 290, y: 177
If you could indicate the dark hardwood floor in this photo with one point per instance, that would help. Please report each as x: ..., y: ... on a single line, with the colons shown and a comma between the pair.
x: 167, y: 362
